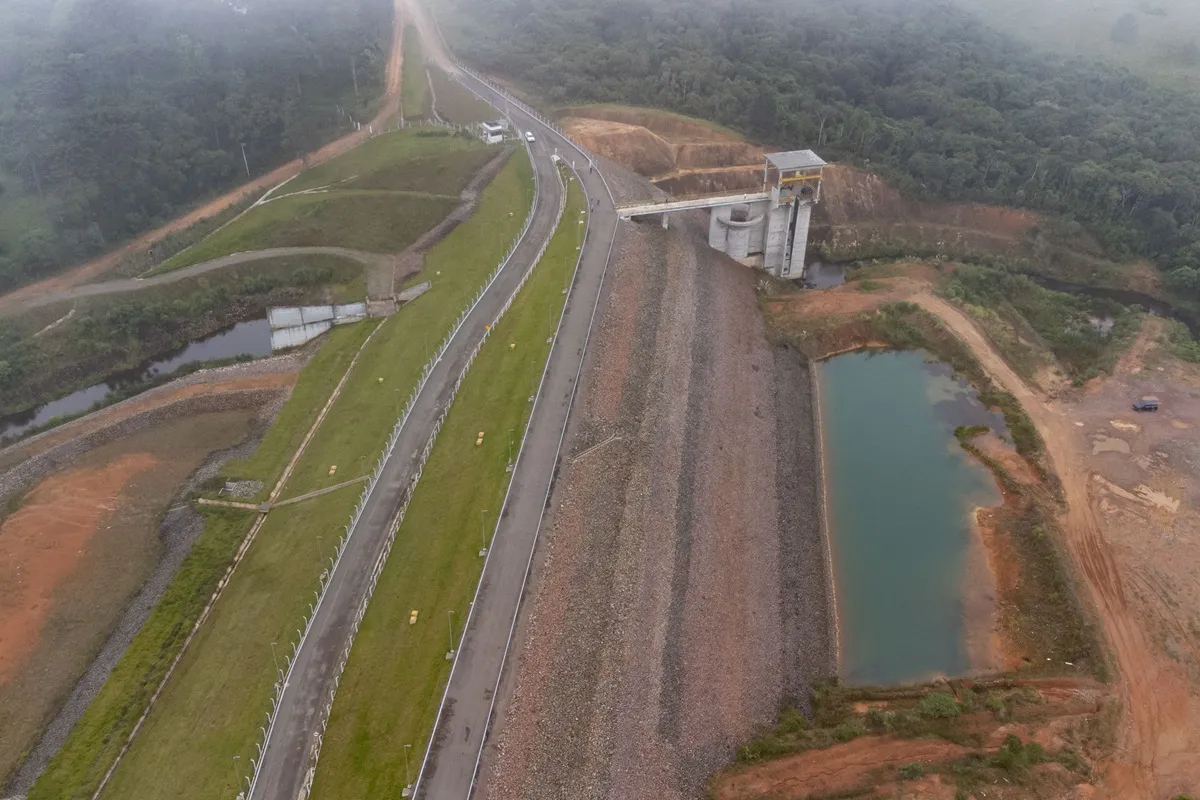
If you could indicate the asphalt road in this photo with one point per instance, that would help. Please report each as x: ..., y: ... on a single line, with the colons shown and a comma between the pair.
x: 450, y: 768
x: 287, y: 753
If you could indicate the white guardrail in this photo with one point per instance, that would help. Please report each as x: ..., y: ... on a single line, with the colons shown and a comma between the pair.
x: 327, y: 575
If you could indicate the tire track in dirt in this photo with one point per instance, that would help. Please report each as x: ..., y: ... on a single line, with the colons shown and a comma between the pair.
x: 1133, y: 773
x: 83, y: 273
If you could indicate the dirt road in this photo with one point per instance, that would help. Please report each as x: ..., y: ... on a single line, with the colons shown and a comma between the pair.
x: 86, y: 272
x: 1148, y: 713
x: 126, y: 285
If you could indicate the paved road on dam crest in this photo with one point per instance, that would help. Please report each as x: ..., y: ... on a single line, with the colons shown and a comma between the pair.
x: 449, y: 771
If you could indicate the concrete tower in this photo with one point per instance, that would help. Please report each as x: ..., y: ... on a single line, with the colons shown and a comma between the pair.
x: 767, y: 229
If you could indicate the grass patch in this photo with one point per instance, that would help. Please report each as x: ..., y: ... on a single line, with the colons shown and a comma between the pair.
x: 1179, y: 341
x: 433, y: 161
x: 414, y: 86
x: 380, y: 222
x: 407, y: 341
x: 211, y: 709
x: 1086, y: 334
x: 435, y: 564
x: 455, y: 103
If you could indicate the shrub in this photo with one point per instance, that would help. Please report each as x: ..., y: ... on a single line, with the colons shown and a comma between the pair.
x: 912, y: 771
x: 939, y: 705
x: 1016, y: 756
x: 849, y: 730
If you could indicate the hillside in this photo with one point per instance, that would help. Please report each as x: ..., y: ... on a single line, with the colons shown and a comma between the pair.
x: 941, y: 105
x: 117, y: 115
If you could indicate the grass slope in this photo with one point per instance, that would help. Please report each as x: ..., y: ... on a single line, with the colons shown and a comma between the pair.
x: 433, y: 161
x: 381, y: 222
x: 414, y: 86
x: 392, y: 685
x: 456, y: 104
x: 211, y: 709
x: 95, y: 741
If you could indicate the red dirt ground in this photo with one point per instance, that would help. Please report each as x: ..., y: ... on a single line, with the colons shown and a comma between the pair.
x: 832, y: 770
x: 44, y: 540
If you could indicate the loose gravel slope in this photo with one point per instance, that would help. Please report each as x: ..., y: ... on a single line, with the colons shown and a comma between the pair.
x: 681, y: 596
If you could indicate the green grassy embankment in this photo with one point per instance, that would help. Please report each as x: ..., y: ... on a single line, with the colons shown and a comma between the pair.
x: 432, y: 161
x: 211, y: 709
x: 392, y: 685
x: 379, y: 197
x: 375, y: 221
x: 95, y: 741
x: 456, y: 104
x: 414, y: 86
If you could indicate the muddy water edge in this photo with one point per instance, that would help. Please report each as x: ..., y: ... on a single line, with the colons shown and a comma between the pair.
x: 913, y: 588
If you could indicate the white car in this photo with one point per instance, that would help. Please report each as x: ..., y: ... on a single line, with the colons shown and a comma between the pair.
x: 529, y: 137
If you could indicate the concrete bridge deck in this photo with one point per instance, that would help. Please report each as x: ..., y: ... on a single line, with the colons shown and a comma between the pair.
x: 670, y: 206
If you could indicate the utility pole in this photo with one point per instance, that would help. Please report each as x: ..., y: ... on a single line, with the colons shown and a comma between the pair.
x: 275, y: 658
x: 245, y: 162
x: 450, y: 627
x: 482, y: 533
x: 407, y: 774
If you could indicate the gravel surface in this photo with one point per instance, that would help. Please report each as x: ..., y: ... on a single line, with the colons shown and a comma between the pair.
x: 682, y: 594
x: 626, y: 185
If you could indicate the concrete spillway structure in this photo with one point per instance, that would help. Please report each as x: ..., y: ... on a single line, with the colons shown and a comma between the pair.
x: 766, y: 229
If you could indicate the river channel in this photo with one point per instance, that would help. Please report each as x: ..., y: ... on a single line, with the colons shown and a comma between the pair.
x: 900, y: 493
x: 251, y: 338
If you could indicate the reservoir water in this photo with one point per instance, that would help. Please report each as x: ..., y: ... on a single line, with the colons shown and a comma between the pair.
x: 900, y: 493
x: 244, y: 339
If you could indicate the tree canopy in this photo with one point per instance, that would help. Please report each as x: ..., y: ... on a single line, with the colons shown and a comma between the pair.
x: 917, y: 89
x: 116, y: 115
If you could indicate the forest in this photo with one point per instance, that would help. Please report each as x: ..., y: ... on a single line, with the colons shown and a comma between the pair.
x: 921, y: 91
x: 116, y: 115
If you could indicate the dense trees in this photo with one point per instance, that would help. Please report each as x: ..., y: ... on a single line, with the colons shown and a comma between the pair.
x: 914, y: 88
x: 116, y: 114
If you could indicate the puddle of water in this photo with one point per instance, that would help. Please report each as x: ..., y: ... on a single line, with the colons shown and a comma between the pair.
x: 900, y: 494
x: 244, y: 339
x: 819, y: 275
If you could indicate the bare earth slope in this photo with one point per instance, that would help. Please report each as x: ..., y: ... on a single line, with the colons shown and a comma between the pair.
x: 668, y: 618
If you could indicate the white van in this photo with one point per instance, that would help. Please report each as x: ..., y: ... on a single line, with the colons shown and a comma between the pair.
x: 529, y: 137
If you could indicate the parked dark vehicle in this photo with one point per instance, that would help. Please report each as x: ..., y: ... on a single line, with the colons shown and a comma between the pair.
x: 1146, y: 404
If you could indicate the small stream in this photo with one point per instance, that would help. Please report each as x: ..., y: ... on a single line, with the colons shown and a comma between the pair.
x: 251, y: 338
x: 1125, y: 298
